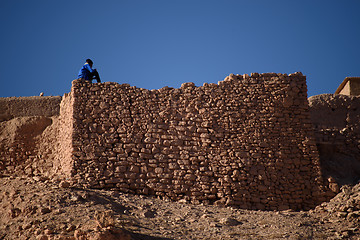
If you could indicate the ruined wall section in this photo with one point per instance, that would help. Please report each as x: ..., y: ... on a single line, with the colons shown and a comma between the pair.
x: 337, y: 131
x: 13, y: 107
x: 18, y: 144
x: 246, y: 141
x: 23, y: 122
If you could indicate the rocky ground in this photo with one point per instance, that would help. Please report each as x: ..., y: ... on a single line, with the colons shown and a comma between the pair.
x: 37, y: 208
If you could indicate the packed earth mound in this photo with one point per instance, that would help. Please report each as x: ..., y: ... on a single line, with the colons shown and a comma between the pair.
x: 39, y: 208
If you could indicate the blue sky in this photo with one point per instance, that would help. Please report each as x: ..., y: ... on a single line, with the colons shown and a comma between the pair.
x: 156, y: 43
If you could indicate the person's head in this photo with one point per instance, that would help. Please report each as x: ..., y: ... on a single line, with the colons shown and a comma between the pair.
x: 89, y: 62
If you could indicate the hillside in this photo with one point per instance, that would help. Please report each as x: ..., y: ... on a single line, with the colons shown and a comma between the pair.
x: 39, y: 208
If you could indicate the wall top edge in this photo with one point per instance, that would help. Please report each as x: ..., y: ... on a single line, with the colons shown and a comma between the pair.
x: 231, y: 77
x: 30, y: 98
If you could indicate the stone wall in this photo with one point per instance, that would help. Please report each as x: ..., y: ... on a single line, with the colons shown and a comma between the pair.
x: 337, y: 131
x: 247, y: 141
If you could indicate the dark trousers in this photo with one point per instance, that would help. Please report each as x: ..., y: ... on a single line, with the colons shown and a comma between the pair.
x: 95, y: 75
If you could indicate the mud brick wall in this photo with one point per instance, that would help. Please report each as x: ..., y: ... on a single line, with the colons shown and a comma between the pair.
x: 36, y: 136
x: 336, y: 118
x: 337, y: 132
x: 246, y: 141
x: 22, y: 121
x: 19, y: 147
x: 29, y: 106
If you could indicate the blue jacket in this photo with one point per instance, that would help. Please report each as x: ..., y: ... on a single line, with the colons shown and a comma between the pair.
x: 86, y: 72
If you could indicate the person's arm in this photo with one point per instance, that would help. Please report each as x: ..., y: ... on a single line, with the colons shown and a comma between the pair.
x: 87, y: 66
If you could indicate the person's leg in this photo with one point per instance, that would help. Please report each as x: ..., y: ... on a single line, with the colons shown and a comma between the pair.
x: 96, y: 76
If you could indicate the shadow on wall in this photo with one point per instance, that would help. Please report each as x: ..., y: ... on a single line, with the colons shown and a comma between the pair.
x: 344, y: 168
x: 337, y: 131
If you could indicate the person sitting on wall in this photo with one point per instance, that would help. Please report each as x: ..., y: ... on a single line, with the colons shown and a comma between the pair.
x: 87, y: 73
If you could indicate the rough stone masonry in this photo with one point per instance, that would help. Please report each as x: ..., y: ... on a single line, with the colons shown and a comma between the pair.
x: 246, y: 141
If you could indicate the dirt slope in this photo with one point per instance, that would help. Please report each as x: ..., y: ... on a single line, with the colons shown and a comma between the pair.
x: 37, y: 208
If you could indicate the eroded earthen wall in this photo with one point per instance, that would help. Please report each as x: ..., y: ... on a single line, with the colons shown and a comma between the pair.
x: 13, y: 107
x: 23, y: 122
x: 246, y: 141
x: 337, y: 131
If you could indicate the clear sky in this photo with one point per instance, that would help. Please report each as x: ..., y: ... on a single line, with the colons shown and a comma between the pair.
x: 156, y: 43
